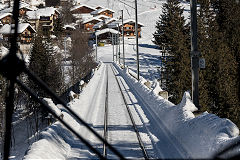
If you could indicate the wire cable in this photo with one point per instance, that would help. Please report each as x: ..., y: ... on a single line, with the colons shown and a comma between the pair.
x: 27, y: 90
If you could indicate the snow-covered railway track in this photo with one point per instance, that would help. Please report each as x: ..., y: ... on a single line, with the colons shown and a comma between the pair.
x: 168, y: 147
x: 141, y: 144
x: 131, y: 124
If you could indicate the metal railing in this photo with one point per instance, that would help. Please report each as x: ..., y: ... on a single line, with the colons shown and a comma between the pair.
x: 11, y: 67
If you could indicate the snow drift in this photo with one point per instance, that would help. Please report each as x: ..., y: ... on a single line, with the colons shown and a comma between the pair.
x: 201, y: 136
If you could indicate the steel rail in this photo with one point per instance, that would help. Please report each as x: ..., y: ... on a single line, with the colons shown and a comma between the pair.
x: 155, y: 117
x: 105, y: 134
x: 60, y: 101
x: 29, y: 91
x: 141, y: 144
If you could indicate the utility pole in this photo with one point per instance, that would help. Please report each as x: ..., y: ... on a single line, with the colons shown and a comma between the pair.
x: 118, y: 44
x: 96, y: 46
x: 194, y: 54
x: 113, y: 45
x: 116, y: 49
x: 136, y: 32
x: 123, y: 41
x: 65, y: 53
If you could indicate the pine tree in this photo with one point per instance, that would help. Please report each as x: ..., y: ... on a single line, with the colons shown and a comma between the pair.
x: 160, y: 37
x: 2, y: 105
x: 206, y: 26
x: 44, y: 64
x: 229, y: 26
x: 218, y: 82
x: 47, y: 67
x: 173, y: 34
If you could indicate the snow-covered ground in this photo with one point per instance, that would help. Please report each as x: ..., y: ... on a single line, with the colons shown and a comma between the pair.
x: 168, y: 130
x: 148, y: 14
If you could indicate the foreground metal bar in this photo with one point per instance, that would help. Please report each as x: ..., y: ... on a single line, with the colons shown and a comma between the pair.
x: 9, y: 113
x: 11, y: 89
x: 27, y: 90
x: 60, y: 101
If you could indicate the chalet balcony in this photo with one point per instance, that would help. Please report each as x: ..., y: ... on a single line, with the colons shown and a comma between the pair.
x: 131, y: 29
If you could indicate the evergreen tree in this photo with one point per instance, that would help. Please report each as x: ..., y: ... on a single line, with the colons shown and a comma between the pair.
x: 44, y: 63
x: 218, y: 82
x: 2, y: 105
x: 229, y: 22
x: 58, y: 27
x: 206, y: 26
x: 173, y: 35
x: 160, y: 36
x: 227, y: 14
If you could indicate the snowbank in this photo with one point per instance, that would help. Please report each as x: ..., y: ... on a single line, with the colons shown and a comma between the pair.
x: 3, y: 52
x: 201, y: 136
x: 53, y: 107
x: 56, y: 142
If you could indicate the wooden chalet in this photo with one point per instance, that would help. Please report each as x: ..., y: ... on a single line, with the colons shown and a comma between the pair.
x: 129, y: 28
x: 89, y: 23
x: 82, y: 9
x: 25, y: 30
x: 99, y: 7
x: 6, y: 18
x: 105, y: 35
x: 23, y: 8
x: 43, y: 17
x: 103, y: 11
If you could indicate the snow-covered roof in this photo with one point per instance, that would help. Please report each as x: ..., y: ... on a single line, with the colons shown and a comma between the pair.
x: 36, y: 2
x: 100, y: 24
x: 44, y: 12
x: 83, y: 16
x: 2, y: 15
x: 101, y: 10
x: 91, y: 19
x: 82, y: 5
x: 69, y: 26
x: 114, y: 24
x: 7, y: 28
x: 21, y: 5
x: 106, y: 30
x: 3, y: 51
x: 102, y: 16
x: 132, y: 21
x: 2, y: 6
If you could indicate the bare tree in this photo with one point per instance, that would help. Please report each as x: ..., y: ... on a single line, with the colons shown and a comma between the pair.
x: 67, y: 16
x: 81, y: 55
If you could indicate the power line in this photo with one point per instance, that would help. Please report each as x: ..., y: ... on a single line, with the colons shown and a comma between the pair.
x: 137, y: 3
x: 126, y: 4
